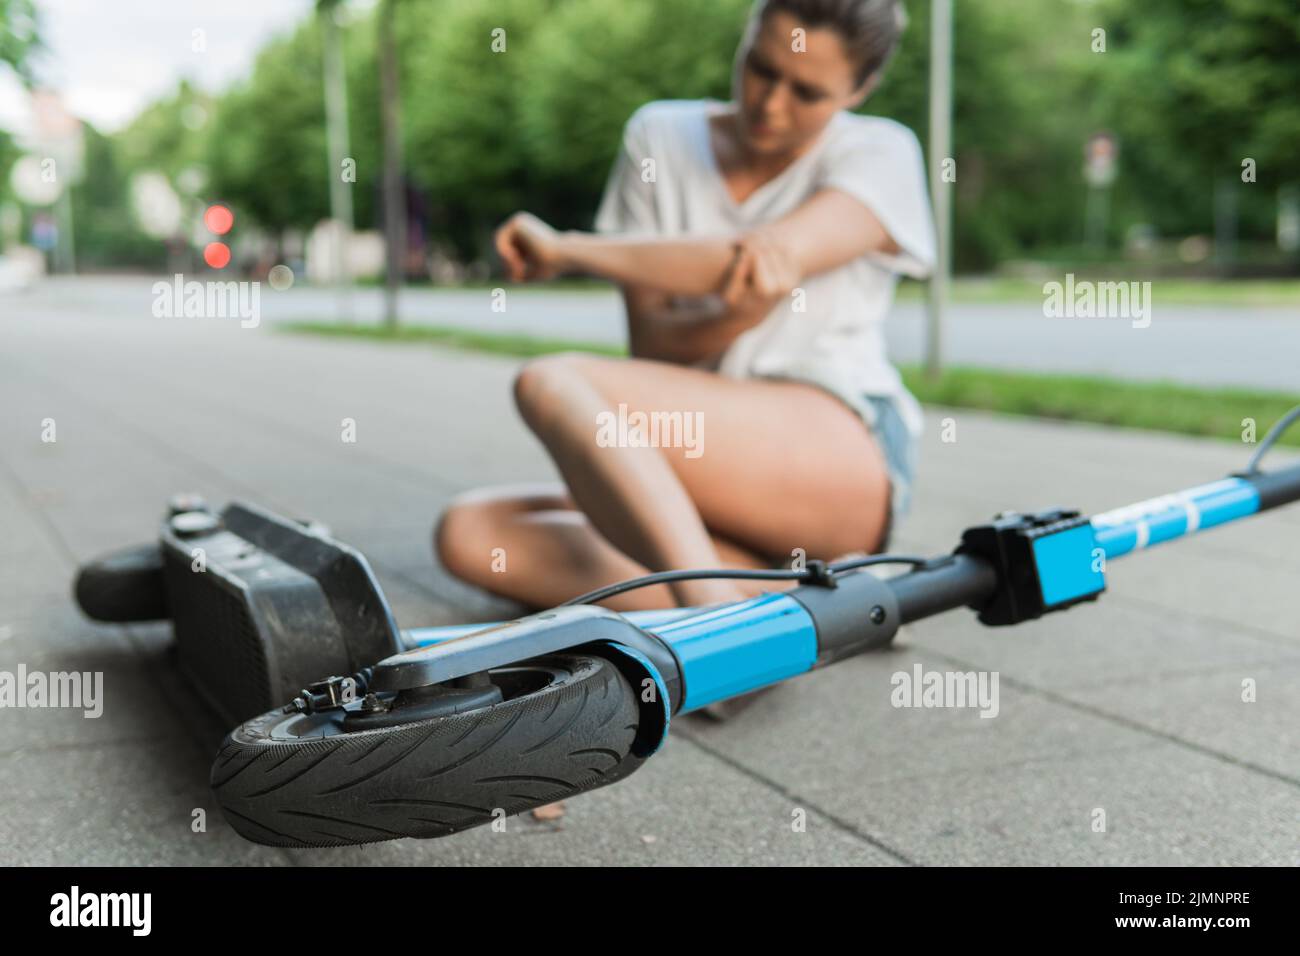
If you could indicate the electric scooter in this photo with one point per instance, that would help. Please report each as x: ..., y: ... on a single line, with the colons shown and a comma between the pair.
x: 430, y: 731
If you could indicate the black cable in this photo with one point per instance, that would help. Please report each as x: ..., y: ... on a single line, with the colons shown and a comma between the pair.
x: 816, y: 572
x: 916, y: 561
x: 1274, y: 433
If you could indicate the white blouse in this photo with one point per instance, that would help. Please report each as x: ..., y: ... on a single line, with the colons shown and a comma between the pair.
x: 666, y: 182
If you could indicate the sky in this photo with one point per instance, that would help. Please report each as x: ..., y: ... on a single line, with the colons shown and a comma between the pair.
x: 111, y: 58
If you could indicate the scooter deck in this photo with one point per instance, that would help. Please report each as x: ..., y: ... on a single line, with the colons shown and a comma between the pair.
x: 263, y: 606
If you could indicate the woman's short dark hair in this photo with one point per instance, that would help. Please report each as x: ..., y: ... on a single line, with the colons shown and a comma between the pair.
x: 869, y: 29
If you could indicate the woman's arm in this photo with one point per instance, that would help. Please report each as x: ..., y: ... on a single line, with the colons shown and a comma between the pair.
x: 751, y: 288
x: 532, y: 250
x: 828, y: 230
x: 750, y: 273
x: 658, y: 329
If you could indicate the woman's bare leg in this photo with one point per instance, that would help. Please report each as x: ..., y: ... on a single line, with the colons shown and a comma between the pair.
x: 781, y: 465
x: 531, y: 544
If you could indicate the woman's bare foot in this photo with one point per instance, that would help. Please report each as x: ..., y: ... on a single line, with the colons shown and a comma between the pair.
x: 723, y: 710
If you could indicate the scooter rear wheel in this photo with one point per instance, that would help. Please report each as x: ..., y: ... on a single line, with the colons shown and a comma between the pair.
x: 565, y: 724
x: 126, y: 585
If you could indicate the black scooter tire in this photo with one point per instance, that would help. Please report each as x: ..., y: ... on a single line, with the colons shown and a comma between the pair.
x: 432, y: 777
x: 126, y: 585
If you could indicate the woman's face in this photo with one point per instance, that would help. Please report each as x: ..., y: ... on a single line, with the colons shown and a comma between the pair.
x: 788, y: 90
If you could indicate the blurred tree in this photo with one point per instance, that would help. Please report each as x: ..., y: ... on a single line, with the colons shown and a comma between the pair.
x: 19, y: 36
x: 171, y: 135
x: 107, y: 234
x: 1017, y: 146
x: 593, y: 63
x: 520, y: 104
x: 463, y: 90
x: 9, y: 154
x: 268, y: 137
x: 19, y: 40
x: 1194, y: 87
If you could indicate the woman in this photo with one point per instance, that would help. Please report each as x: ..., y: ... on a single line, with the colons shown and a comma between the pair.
x: 757, y: 245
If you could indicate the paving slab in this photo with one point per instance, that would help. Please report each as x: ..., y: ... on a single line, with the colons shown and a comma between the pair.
x: 1132, y: 705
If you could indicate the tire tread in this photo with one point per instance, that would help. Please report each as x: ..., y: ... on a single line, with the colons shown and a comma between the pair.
x: 413, y: 780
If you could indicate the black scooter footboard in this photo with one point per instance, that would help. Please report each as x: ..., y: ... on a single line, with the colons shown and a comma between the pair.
x: 263, y: 606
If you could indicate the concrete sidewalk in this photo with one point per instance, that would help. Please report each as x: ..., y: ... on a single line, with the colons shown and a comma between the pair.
x: 1132, y: 706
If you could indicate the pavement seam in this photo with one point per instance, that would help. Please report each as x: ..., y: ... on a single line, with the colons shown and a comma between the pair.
x: 1122, y: 721
x: 88, y: 745
x: 273, y: 501
x: 135, y: 643
x: 836, y: 821
x: 1254, y: 631
x: 233, y: 482
x: 1208, y: 670
x: 1001, y: 765
x: 279, y: 430
x: 24, y: 498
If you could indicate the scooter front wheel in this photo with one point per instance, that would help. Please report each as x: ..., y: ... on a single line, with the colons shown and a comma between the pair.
x: 559, y: 725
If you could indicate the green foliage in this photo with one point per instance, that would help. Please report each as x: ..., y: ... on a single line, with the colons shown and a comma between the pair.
x: 594, y: 62
x: 1194, y: 87
x: 522, y: 346
x: 1191, y: 87
x: 170, y: 135
x: 1018, y: 152
x: 267, y: 152
x: 1165, y: 406
x: 461, y: 106
x: 105, y: 226
x: 19, y: 35
x: 9, y: 154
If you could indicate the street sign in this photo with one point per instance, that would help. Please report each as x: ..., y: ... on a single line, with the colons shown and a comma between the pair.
x: 1101, y: 155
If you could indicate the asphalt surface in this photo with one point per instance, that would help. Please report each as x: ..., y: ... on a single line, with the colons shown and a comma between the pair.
x: 1213, y: 345
x: 1132, y: 706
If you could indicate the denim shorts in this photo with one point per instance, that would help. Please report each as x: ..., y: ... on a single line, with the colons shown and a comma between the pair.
x: 899, y: 449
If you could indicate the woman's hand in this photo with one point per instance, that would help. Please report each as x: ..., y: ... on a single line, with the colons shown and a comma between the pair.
x: 759, y: 274
x: 530, y: 249
x: 762, y: 274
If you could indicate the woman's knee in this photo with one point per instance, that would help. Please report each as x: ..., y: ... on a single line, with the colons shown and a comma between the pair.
x: 462, y: 537
x: 547, y: 388
x: 477, y: 521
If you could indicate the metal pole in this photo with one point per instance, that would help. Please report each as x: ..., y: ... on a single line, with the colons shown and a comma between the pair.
x: 1225, y: 224
x: 336, y: 126
x: 64, y: 251
x: 394, y: 196
x: 940, y: 191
